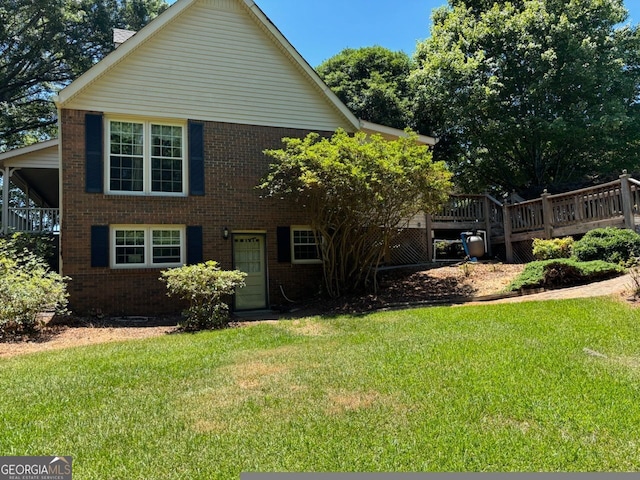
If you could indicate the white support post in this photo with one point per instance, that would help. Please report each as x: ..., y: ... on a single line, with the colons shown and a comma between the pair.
x: 6, y: 180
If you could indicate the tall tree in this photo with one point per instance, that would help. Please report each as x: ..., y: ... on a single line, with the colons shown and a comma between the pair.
x: 530, y: 94
x: 357, y: 192
x: 372, y: 82
x: 44, y: 44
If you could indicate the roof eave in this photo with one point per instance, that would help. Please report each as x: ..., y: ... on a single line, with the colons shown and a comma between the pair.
x: 390, y: 132
x: 16, y: 152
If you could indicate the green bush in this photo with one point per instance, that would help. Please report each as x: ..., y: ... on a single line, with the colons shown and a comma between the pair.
x: 27, y: 287
x: 563, y: 272
x: 553, y: 248
x: 39, y: 245
x: 612, y: 245
x: 203, y: 286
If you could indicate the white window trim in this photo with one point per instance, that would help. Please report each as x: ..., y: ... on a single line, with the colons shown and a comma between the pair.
x: 148, y: 247
x: 146, y: 157
x: 305, y: 228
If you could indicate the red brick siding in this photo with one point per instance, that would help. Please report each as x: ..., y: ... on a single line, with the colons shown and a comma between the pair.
x: 234, y: 164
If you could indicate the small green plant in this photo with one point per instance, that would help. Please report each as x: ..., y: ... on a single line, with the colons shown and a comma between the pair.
x: 612, y: 245
x: 563, y: 272
x: 204, y: 287
x: 552, y: 248
x: 467, y: 269
x: 634, y: 273
x: 27, y: 287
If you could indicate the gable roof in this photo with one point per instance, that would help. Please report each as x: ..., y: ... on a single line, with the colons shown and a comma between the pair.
x: 240, y: 77
x: 199, y: 28
x: 120, y: 35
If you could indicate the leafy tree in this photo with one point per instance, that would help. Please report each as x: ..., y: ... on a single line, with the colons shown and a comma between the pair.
x: 530, y: 94
x: 44, y: 44
x: 372, y: 82
x: 358, y: 192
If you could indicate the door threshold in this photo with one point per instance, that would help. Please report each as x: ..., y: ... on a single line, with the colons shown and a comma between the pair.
x: 264, y: 314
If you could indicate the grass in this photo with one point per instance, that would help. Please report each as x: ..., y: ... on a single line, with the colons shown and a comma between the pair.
x: 541, y: 386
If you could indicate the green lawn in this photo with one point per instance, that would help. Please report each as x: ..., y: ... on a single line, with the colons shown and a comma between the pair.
x: 493, y: 387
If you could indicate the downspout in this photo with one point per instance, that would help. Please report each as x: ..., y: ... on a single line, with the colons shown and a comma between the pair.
x: 56, y: 101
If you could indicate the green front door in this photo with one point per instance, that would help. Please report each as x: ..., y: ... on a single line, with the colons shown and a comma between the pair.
x: 249, y: 257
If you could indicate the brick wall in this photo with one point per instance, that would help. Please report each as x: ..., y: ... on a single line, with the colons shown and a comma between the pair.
x: 234, y: 164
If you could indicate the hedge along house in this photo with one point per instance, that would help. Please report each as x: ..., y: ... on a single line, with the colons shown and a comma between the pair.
x: 161, y: 149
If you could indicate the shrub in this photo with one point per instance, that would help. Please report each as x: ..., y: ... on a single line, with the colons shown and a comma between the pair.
x: 27, y: 287
x: 563, y: 272
x: 553, y: 248
x: 203, y: 286
x: 634, y: 273
x: 612, y: 245
x: 39, y: 245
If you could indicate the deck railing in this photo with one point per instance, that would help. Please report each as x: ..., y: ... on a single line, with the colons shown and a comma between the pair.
x: 634, y: 186
x: 481, y: 209
x: 462, y: 208
x: 526, y: 216
x: 603, y: 202
x: 572, y: 213
x: 34, y: 220
x: 554, y: 215
x: 615, y: 203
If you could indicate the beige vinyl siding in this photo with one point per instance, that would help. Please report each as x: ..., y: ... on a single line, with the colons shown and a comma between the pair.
x: 213, y: 62
x: 43, y: 158
x: 417, y: 221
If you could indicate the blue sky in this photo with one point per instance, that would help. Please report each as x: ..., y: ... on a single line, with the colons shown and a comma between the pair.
x: 319, y: 29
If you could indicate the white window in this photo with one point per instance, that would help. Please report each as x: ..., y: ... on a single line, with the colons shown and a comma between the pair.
x: 145, y: 158
x: 304, y: 245
x: 142, y: 246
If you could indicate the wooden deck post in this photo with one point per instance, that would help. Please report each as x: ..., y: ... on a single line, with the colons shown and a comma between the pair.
x: 627, y: 203
x: 507, y: 233
x: 547, y: 214
x: 428, y: 225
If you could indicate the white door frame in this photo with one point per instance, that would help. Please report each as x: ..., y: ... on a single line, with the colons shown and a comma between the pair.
x: 263, y: 236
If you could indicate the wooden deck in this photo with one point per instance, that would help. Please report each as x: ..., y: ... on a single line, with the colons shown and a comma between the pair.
x: 613, y: 204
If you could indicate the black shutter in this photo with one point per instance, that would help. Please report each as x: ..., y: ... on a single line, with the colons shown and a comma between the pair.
x: 196, y: 158
x: 194, y: 245
x: 93, y: 139
x: 99, y: 245
x: 283, y: 235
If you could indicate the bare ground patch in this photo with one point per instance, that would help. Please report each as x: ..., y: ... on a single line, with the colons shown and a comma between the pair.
x: 339, y: 402
x: 56, y: 337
